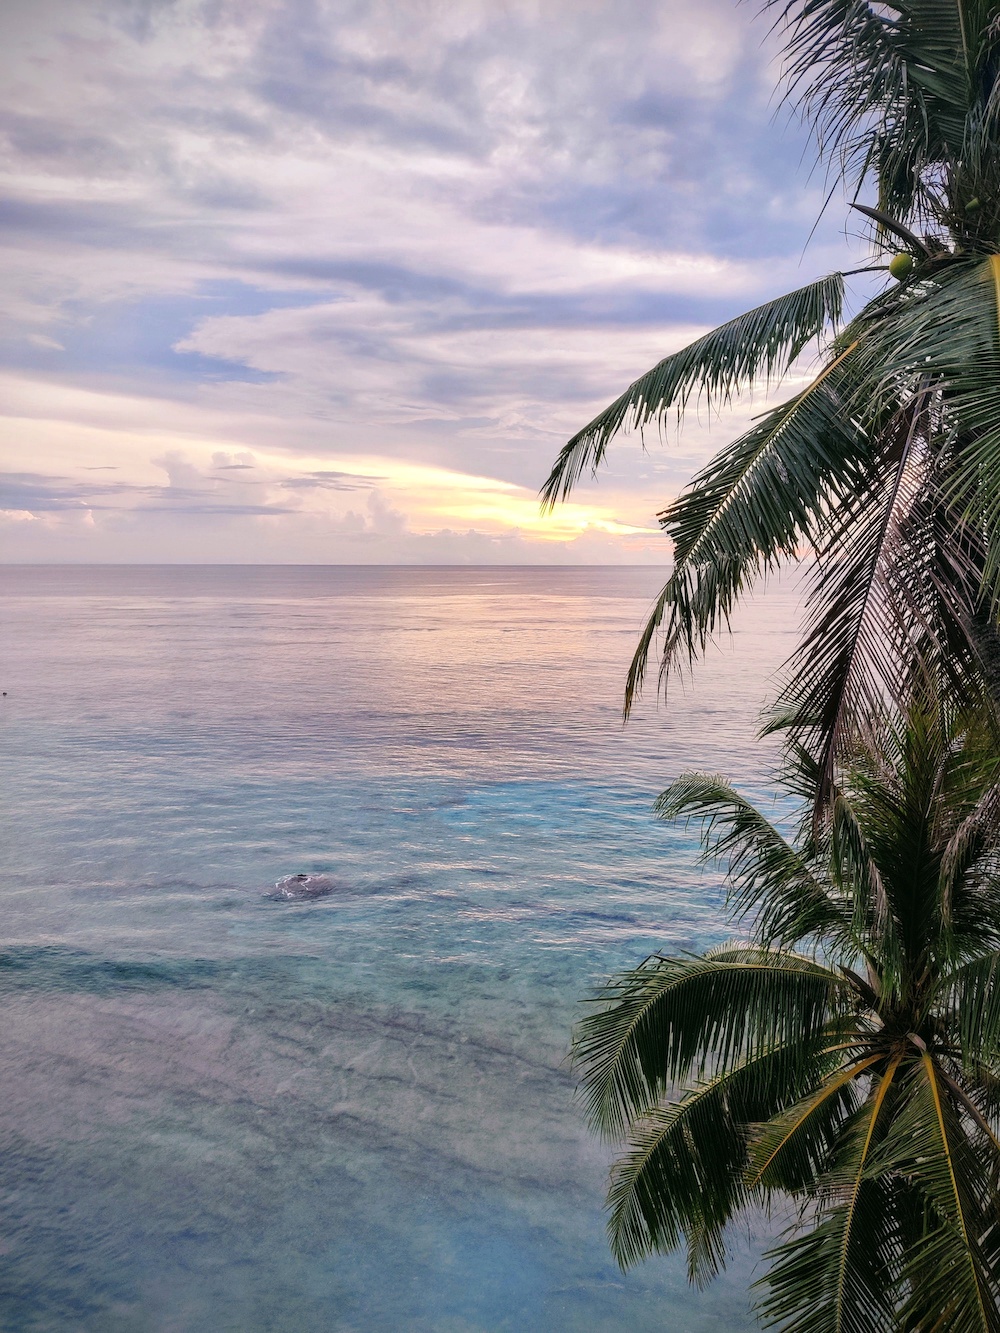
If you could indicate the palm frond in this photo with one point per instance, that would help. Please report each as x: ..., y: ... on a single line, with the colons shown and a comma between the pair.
x: 947, y: 335
x: 755, y: 505
x: 759, y: 345
x: 791, y: 1151
x: 950, y: 1278
x: 969, y: 857
x: 894, y: 91
x: 865, y: 1086
x: 674, y: 1018
x: 801, y: 1284
x: 856, y: 868
x: 848, y: 665
x: 971, y: 1003
x: 678, y: 1160
x: 786, y: 893
x: 684, y: 1173
x: 839, y: 1280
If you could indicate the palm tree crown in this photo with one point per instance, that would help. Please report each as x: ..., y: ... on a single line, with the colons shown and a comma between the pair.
x: 886, y: 467
x: 845, y: 1053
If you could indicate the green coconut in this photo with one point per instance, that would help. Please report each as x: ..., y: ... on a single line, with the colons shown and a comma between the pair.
x: 901, y: 265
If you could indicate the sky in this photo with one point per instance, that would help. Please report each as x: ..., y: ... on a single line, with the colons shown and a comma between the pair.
x: 325, y: 281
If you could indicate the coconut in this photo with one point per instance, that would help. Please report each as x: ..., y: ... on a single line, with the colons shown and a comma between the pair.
x: 900, y: 265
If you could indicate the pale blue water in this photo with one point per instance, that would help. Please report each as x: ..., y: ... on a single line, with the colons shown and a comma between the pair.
x: 226, y: 1112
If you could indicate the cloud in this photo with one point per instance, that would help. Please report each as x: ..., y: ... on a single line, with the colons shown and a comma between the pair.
x: 327, y: 479
x: 324, y: 239
x: 43, y: 340
x: 235, y: 462
x: 36, y: 494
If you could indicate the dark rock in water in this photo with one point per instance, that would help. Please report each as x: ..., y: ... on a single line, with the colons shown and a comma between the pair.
x: 301, y: 888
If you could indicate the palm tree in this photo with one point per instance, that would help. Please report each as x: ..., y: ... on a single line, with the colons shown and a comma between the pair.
x: 885, y: 470
x: 845, y: 1054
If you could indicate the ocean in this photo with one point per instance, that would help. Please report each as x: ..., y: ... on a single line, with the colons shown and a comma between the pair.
x: 225, y: 1110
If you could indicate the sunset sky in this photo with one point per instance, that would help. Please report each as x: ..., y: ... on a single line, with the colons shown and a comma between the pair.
x: 287, y: 280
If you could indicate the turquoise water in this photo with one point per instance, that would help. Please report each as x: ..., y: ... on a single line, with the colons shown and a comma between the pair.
x: 222, y: 1111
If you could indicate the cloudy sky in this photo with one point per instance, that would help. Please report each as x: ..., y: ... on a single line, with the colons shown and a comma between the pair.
x: 332, y: 280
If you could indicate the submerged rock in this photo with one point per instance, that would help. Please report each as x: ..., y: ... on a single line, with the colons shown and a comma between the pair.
x: 300, y: 888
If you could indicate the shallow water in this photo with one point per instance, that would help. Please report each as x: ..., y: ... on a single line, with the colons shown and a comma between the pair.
x: 226, y: 1111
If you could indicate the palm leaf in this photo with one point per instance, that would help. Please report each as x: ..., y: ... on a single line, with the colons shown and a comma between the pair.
x: 947, y: 335
x: 791, y: 1150
x: 971, y: 1000
x: 890, y: 90
x: 786, y: 892
x: 684, y: 1173
x: 848, y: 664
x: 754, y: 506
x: 761, y: 344
x: 838, y: 1275
x: 952, y: 1282
x: 674, y: 1018
x: 802, y: 1287
x: 968, y: 857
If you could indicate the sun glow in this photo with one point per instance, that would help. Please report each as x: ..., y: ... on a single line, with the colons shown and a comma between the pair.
x: 432, y: 498
x: 116, y: 467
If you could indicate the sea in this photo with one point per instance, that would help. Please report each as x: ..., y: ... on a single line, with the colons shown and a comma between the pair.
x: 228, y: 1109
